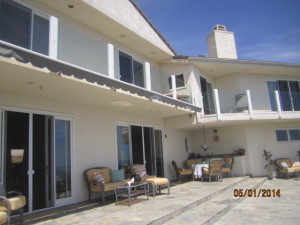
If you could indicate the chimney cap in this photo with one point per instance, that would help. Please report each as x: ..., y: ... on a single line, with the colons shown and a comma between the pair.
x: 220, y: 27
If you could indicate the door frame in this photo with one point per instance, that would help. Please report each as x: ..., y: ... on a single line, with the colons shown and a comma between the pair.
x: 30, y: 171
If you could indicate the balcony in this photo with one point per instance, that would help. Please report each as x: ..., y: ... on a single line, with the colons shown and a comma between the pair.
x: 246, y: 105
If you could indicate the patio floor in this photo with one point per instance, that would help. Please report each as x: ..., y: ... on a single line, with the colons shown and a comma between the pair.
x: 192, y: 202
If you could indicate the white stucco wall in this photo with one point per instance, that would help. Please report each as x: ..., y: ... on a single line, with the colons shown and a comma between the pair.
x: 82, y: 48
x: 174, y: 144
x: 262, y: 136
x: 231, y: 85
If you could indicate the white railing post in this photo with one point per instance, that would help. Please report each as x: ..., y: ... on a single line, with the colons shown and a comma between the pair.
x: 148, y: 76
x: 278, y: 104
x: 111, y: 61
x: 53, y: 37
x: 173, y: 79
x: 250, y: 109
x: 217, y: 104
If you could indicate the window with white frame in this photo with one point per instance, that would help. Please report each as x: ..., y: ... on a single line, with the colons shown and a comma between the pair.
x: 289, y: 94
x: 288, y: 135
x: 179, y: 80
x: 131, y: 71
x: 24, y: 27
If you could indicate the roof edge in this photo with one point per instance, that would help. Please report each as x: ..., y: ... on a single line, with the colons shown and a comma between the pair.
x: 152, y: 25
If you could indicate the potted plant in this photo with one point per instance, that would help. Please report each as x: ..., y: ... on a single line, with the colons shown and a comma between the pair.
x: 241, y: 151
x: 270, y: 164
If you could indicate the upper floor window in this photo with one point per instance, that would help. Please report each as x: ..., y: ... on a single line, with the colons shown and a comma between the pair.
x: 21, y: 26
x: 179, y: 80
x: 131, y: 71
x: 288, y: 135
x: 289, y: 95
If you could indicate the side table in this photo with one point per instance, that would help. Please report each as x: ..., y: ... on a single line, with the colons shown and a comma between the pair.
x: 132, y: 191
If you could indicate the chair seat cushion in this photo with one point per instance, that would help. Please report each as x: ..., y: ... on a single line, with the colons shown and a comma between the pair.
x: 3, y: 217
x: 15, y: 203
x: 157, y: 181
x: 225, y: 170
x: 186, y: 172
x: 107, y: 186
x: 144, y: 178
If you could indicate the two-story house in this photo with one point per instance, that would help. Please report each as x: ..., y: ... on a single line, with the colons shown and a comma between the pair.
x: 93, y: 83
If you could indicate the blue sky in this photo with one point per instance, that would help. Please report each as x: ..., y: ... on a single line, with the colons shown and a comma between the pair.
x: 267, y: 30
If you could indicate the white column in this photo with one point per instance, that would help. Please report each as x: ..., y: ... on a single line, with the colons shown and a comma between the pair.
x: 53, y: 37
x: 111, y: 60
x: 278, y: 104
x: 147, y: 76
x: 249, y: 104
x: 217, y: 103
x: 174, y: 91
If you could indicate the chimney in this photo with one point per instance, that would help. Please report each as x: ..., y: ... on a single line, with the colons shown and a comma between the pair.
x: 221, y: 43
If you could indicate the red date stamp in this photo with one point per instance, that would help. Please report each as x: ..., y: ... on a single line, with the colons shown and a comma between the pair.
x: 257, y: 193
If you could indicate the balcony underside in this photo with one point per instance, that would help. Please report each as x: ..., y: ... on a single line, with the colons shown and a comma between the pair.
x: 30, y: 73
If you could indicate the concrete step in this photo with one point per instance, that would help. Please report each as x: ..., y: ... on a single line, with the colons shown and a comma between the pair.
x: 214, y: 208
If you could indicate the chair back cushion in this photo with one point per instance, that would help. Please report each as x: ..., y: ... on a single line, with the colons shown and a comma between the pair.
x: 139, y: 169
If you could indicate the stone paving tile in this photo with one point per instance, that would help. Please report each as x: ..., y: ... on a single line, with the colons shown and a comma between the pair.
x: 144, y: 212
x: 268, y: 210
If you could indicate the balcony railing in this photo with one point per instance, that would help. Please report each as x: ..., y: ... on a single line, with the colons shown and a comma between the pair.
x: 229, y: 104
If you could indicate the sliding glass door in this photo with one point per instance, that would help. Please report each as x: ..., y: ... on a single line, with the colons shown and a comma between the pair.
x: 289, y: 95
x: 140, y: 145
x: 37, y: 158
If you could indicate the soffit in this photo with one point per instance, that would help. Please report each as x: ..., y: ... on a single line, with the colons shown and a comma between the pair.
x: 223, y: 67
x: 140, y: 37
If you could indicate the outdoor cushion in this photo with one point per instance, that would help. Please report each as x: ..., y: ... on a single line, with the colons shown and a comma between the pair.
x: 117, y: 175
x: 225, y: 170
x: 144, y: 178
x: 15, y: 203
x: 139, y: 170
x: 283, y: 165
x: 157, y: 181
x: 106, y: 174
x: 3, y: 217
x: 186, y: 172
x: 98, y: 178
x: 107, y: 186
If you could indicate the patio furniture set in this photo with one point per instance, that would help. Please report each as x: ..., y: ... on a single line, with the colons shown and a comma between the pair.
x: 287, y: 167
x: 106, y: 181
x: 214, y: 169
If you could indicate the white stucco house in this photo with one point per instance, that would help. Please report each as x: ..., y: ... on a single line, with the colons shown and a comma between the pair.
x: 93, y: 83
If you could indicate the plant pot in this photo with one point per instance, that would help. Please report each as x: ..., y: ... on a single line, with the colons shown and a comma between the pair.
x: 272, y: 175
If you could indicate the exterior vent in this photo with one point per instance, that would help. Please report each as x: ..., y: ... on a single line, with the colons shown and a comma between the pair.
x: 220, y: 27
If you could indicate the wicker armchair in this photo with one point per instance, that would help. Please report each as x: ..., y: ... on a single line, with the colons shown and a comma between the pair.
x: 227, y: 166
x: 214, y: 170
x: 286, y: 167
x: 190, y: 162
x: 182, y: 172
x: 16, y: 203
x: 139, y: 173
